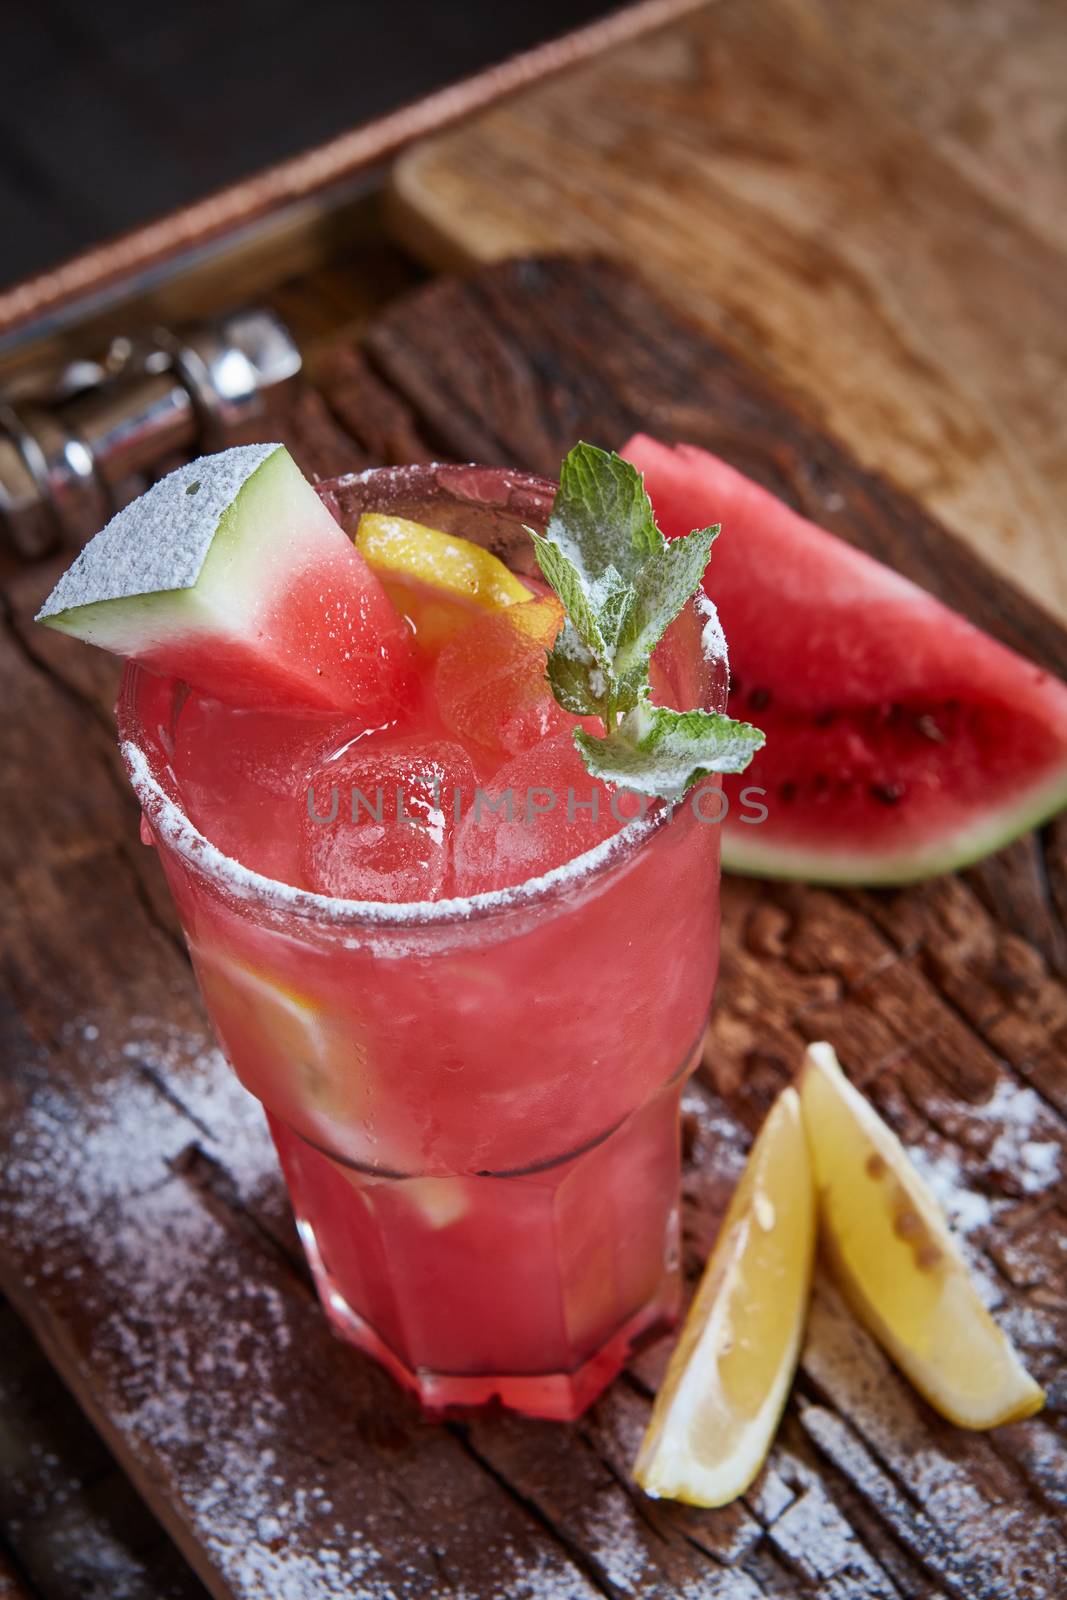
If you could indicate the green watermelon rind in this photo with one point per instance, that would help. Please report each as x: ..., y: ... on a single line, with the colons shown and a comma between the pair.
x: 948, y: 852
x: 270, y: 529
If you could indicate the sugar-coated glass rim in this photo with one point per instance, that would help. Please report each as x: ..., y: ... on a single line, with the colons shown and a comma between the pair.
x: 243, y: 883
x: 516, y: 495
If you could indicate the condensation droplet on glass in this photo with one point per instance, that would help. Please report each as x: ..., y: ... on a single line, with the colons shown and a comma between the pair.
x: 672, y: 1251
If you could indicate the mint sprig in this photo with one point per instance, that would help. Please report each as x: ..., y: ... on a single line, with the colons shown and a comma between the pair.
x: 622, y: 584
x: 659, y: 751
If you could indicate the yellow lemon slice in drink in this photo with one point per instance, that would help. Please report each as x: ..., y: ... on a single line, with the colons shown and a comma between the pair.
x: 412, y: 559
x: 307, y: 1065
x: 437, y: 1202
x: 272, y: 1030
x: 727, y: 1382
x: 309, y: 1060
x: 897, y: 1263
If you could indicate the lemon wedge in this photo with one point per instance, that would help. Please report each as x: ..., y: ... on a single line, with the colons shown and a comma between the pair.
x: 892, y: 1252
x: 436, y: 1202
x: 261, y: 1017
x: 288, y: 1048
x: 727, y: 1382
x: 408, y: 552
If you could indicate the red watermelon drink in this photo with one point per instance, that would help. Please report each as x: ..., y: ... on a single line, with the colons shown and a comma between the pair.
x: 469, y: 1017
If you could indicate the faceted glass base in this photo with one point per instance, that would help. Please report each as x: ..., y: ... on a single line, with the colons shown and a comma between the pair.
x: 530, y: 1288
x: 553, y: 1396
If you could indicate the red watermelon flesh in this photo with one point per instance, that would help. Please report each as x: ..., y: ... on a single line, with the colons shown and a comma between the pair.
x: 902, y: 741
x: 232, y: 574
x: 331, y: 640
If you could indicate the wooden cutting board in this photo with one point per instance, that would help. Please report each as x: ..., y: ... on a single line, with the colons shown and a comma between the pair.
x: 866, y: 201
x: 143, y: 1226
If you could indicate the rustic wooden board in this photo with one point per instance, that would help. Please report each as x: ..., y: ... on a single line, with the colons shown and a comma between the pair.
x: 866, y: 201
x: 282, y: 220
x: 75, y: 1526
x: 11, y: 1586
x: 143, y: 1230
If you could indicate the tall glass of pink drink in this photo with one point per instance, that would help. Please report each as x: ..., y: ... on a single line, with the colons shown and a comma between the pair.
x: 475, y: 1102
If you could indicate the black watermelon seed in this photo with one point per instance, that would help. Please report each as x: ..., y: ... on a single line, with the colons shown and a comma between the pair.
x: 788, y: 790
x: 888, y: 794
x: 759, y: 698
x: 929, y: 729
x: 823, y: 719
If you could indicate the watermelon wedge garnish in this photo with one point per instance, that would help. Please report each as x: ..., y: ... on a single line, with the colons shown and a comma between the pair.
x: 231, y: 574
x: 902, y: 741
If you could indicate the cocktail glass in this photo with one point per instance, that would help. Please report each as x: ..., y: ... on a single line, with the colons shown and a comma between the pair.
x: 475, y: 1104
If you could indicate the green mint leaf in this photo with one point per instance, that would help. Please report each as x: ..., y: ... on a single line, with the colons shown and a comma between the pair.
x: 622, y: 584
x: 614, y: 597
x: 660, y: 592
x: 577, y: 682
x: 657, y: 751
x: 602, y: 518
x: 568, y: 583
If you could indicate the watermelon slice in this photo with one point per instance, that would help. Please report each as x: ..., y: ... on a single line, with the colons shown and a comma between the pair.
x: 901, y: 740
x: 232, y: 574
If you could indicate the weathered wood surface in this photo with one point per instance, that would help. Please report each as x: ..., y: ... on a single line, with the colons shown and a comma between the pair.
x: 75, y: 1527
x: 272, y: 222
x: 867, y: 201
x: 143, y: 1229
x: 126, y: 81
x: 11, y: 1585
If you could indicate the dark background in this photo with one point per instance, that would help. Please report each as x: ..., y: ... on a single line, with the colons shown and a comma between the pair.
x: 114, y: 111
